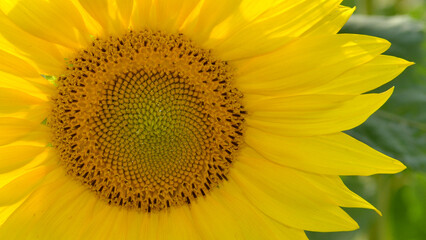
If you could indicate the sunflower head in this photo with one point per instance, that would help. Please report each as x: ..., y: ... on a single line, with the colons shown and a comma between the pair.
x: 147, y: 120
x: 184, y: 119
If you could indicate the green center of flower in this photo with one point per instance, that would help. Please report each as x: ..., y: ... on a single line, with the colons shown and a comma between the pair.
x: 147, y: 120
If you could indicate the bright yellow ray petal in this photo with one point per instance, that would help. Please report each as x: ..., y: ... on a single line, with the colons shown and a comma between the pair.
x: 6, y: 211
x: 135, y: 225
x: 306, y: 63
x: 334, y: 154
x: 289, y: 204
x: 36, y: 113
x: 6, y: 6
x: 149, y: 226
x: 43, y: 158
x: 169, y: 15
x: 42, y: 54
x: 274, y: 28
x: 226, y: 214
x: 125, y: 8
x: 212, y: 220
x: 332, y: 23
x: 93, y: 27
x: 21, y: 186
x: 177, y: 224
x: 366, y: 77
x: 13, y: 100
x: 100, y: 211
x: 37, y: 86
x: 73, y: 228
x: 312, y: 115
x: 140, y: 15
x: 14, y: 128
x: 323, y: 188
x: 22, y: 224
x: 16, y: 66
x: 336, y: 189
x: 112, y: 15
x: 63, y: 27
x: 99, y: 10
x: 252, y: 221
x: 63, y: 204
x: 17, y: 156
x: 244, y: 15
x: 201, y: 21
x: 118, y: 230
x: 61, y: 215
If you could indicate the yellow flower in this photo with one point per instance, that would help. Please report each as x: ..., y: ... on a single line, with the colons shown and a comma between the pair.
x: 184, y: 119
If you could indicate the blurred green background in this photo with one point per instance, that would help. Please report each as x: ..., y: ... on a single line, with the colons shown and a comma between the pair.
x: 398, y: 129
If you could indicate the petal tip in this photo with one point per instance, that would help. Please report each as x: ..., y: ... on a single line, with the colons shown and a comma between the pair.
x: 399, y: 166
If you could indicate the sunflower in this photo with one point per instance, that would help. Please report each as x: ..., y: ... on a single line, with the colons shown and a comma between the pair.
x: 184, y: 119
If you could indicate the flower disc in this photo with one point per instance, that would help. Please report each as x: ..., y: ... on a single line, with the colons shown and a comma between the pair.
x: 147, y: 120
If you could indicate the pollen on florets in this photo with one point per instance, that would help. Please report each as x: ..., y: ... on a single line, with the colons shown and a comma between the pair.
x: 147, y: 120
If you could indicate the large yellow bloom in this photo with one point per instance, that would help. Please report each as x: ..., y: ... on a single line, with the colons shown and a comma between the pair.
x: 184, y: 119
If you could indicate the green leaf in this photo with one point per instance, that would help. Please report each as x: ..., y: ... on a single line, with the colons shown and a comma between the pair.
x: 408, y: 209
x: 405, y: 33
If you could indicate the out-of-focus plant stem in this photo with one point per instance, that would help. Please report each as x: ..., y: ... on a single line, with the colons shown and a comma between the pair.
x: 381, y: 229
x: 369, y: 7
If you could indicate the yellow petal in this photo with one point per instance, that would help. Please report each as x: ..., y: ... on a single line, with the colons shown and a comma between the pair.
x: 337, y: 190
x: 177, y: 224
x: 334, y: 154
x: 73, y: 228
x: 6, y: 6
x: 22, y: 186
x: 164, y: 15
x: 113, y: 16
x: 13, y: 100
x: 226, y: 214
x: 288, y: 203
x: 332, y: 23
x: 323, y: 188
x: 273, y: 28
x: 250, y: 219
x: 16, y: 66
x: 141, y: 13
x: 247, y: 12
x: 312, y: 115
x: 306, y: 63
x: 42, y: 54
x: 74, y: 204
x: 14, y: 157
x: 36, y: 113
x: 366, y: 77
x: 98, y: 212
x: 6, y: 211
x: 44, y: 158
x: 201, y: 21
x: 60, y: 204
x: 28, y: 219
x: 169, y: 15
x: 63, y: 27
x: 37, y: 86
x: 214, y: 223
x: 93, y: 27
x: 14, y: 128
x: 125, y: 9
